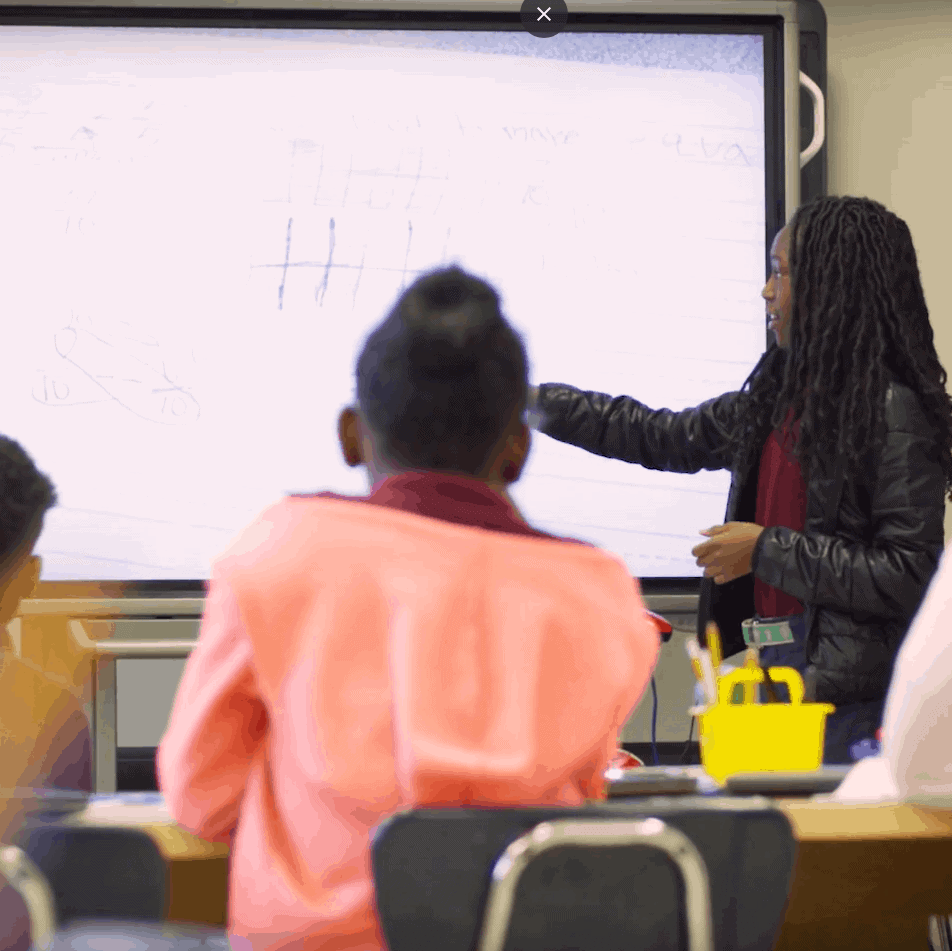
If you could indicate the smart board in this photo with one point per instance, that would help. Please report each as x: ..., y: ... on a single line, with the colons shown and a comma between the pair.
x: 200, y: 227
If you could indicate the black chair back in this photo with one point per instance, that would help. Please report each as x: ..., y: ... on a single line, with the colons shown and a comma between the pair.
x: 432, y: 871
x: 98, y: 872
x: 89, y: 889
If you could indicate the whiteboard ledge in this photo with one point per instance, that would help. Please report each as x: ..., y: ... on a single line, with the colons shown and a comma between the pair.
x: 130, y: 649
x: 114, y: 607
x: 194, y: 607
x: 671, y: 603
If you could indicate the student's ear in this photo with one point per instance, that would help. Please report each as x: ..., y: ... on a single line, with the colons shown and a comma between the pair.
x: 349, y: 436
x: 515, y: 453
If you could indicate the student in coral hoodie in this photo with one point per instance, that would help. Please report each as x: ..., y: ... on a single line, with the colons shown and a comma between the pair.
x: 420, y: 646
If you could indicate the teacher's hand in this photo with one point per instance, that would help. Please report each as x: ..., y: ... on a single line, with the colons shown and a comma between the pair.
x: 534, y: 416
x: 728, y: 554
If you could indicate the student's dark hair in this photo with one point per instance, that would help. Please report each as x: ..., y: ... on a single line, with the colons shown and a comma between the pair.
x: 443, y: 375
x: 859, y: 317
x: 25, y: 497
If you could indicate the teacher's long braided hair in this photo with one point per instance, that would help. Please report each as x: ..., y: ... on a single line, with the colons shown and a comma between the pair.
x: 859, y: 314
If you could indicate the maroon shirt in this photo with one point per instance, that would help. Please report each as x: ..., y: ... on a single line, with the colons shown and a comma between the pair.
x: 781, y: 500
x: 463, y: 500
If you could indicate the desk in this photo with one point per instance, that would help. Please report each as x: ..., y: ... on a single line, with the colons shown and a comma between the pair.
x: 198, y: 870
x: 866, y: 876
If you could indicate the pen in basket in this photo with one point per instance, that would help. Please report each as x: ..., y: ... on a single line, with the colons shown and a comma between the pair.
x: 752, y: 662
x: 713, y: 637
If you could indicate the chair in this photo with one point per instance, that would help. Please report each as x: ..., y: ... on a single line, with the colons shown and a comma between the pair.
x: 107, y: 873
x: 84, y: 888
x: 33, y: 888
x: 665, y: 874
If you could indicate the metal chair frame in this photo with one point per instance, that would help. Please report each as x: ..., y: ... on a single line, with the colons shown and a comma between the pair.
x: 599, y: 833
x: 31, y: 884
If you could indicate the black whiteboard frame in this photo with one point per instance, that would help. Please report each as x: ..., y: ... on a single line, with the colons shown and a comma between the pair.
x: 755, y: 17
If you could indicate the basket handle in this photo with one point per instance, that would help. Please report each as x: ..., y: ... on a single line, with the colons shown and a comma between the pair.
x: 787, y: 675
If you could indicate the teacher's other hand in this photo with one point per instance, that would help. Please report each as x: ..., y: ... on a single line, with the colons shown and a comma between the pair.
x: 727, y: 556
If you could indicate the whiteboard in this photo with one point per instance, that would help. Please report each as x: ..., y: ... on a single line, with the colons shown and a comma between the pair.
x: 200, y: 227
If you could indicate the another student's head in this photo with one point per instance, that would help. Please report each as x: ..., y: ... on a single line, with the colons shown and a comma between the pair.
x: 442, y: 385
x: 25, y: 497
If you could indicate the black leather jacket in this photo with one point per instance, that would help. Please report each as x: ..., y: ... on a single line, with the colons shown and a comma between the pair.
x: 870, y: 544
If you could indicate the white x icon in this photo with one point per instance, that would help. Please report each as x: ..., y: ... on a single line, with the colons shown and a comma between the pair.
x: 545, y: 13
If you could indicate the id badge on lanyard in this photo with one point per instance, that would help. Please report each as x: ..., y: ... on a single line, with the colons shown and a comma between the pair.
x: 770, y: 632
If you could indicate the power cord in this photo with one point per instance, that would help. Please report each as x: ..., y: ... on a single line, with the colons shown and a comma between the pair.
x: 654, y: 721
x: 654, y: 728
x: 666, y: 629
x: 687, y: 743
x: 654, y: 713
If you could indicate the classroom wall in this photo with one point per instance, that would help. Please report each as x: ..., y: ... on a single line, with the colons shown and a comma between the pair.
x: 890, y: 129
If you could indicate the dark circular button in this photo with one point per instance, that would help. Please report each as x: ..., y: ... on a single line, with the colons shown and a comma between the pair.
x: 544, y: 18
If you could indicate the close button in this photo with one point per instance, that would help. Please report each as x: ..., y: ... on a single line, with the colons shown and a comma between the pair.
x: 544, y: 18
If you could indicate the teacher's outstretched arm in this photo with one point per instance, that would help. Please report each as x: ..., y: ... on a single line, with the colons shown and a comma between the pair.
x: 620, y: 427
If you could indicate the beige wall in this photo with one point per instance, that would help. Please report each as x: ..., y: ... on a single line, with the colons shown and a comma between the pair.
x: 889, y: 129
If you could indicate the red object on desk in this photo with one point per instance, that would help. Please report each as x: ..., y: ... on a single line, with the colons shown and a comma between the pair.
x: 624, y: 760
x: 659, y: 622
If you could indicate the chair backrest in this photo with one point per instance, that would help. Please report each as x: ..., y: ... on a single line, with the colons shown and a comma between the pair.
x: 432, y: 872
x: 98, y: 872
x: 84, y: 929
x: 554, y: 846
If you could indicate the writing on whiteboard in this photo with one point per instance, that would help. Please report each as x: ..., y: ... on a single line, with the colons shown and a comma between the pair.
x: 95, y: 364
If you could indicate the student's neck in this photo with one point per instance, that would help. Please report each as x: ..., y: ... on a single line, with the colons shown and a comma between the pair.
x: 380, y: 475
x: 496, y: 485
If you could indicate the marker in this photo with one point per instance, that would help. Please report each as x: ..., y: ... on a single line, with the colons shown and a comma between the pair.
x: 751, y: 662
x: 709, y: 675
x: 703, y: 670
x: 695, y: 656
x: 714, y: 645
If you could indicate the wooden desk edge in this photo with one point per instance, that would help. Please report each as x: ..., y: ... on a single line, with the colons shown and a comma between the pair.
x: 811, y: 822
x: 174, y: 842
x: 826, y: 821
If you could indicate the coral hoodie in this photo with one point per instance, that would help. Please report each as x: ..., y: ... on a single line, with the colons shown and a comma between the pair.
x: 356, y: 660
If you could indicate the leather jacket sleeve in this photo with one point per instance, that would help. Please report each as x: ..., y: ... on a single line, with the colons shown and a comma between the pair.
x: 886, y: 574
x: 622, y: 428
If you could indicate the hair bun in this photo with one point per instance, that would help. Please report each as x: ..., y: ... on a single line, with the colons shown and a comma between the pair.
x: 449, y: 367
x: 448, y: 352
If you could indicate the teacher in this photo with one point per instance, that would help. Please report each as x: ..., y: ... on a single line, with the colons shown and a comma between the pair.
x: 840, y: 449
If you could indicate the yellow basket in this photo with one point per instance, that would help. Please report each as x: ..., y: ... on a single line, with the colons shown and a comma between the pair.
x: 759, y: 737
